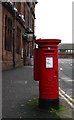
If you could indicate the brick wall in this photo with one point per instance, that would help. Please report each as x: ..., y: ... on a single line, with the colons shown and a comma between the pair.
x: 8, y: 55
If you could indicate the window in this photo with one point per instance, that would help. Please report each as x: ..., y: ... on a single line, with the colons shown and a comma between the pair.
x: 24, y: 10
x: 14, y: 3
x: 68, y: 51
x: 33, y: 25
x: 59, y: 51
x: 72, y: 51
x: 28, y: 17
x: 19, y: 7
x: 28, y: 3
x: 5, y: 32
x: 8, y: 33
x: 18, y: 41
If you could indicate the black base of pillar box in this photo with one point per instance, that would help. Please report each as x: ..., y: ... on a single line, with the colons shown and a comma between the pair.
x: 48, y: 103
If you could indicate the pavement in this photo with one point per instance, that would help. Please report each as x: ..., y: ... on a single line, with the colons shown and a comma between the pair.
x: 20, y: 95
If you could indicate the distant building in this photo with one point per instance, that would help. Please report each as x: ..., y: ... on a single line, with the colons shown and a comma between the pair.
x: 18, y: 19
x: 66, y: 50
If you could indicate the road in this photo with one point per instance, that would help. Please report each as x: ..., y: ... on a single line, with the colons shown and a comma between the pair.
x: 66, y: 76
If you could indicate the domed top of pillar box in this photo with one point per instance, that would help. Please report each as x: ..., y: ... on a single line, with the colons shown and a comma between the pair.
x: 47, y: 42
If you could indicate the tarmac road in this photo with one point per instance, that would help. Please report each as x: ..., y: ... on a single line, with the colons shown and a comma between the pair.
x: 66, y: 76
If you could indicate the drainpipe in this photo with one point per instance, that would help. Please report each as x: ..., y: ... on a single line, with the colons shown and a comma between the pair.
x: 14, y: 18
x: 13, y: 46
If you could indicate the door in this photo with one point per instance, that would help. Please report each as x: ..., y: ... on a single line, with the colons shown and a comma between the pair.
x: 49, y: 78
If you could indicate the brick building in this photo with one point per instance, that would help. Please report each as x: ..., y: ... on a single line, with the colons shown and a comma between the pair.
x: 66, y: 50
x: 18, y: 19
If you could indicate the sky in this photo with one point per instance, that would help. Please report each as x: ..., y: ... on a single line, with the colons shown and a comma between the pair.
x: 54, y: 20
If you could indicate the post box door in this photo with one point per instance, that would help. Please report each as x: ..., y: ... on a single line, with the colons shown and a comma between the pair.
x: 51, y: 67
x: 49, y: 80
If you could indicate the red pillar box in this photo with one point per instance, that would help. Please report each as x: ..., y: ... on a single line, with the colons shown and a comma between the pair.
x: 36, y: 64
x: 48, y: 72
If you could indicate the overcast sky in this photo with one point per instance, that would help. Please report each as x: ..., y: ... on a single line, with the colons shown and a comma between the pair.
x: 54, y: 19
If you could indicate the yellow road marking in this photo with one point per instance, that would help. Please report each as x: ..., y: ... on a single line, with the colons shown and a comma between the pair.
x: 67, y: 100
x: 66, y: 95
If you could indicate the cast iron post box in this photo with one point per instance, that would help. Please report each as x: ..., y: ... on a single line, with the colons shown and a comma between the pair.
x: 36, y: 64
x: 47, y: 63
